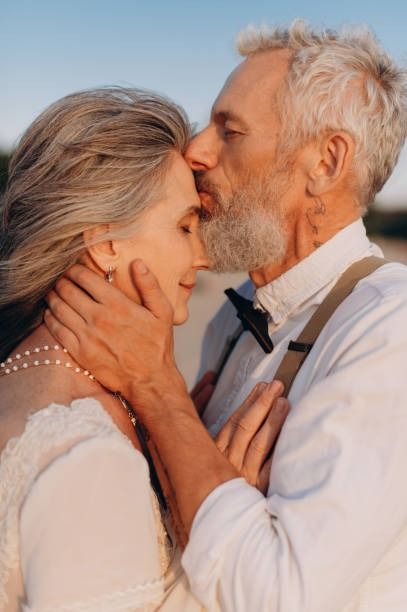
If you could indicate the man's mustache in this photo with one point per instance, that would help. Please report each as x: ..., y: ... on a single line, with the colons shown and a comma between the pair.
x: 202, y: 183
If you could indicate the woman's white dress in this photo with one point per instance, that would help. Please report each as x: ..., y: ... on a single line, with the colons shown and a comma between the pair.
x: 80, y: 528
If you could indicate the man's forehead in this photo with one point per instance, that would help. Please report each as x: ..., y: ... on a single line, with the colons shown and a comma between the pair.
x: 257, y: 77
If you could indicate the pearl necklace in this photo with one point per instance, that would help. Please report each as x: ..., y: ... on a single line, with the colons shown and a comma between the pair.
x: 18, y: 362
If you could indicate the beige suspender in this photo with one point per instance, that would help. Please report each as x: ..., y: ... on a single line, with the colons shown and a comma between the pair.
x: 299, y: 349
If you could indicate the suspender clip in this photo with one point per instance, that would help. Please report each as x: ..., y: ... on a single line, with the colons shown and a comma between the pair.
x: 300, y: 347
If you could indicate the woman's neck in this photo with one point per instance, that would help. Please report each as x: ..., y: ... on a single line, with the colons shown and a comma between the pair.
x: 31, y: 389
x: 41, y: 336
x: 48, y: 383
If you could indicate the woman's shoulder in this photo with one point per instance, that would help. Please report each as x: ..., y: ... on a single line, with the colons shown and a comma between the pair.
x: 51, y: 436
x: 51, y: 429
x: 57, y: 442
x: 53, y: 432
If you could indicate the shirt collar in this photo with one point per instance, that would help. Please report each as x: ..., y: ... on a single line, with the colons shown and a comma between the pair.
x: 288, y: 292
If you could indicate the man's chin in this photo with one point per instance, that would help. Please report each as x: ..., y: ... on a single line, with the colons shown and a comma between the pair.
x: 228, y: 268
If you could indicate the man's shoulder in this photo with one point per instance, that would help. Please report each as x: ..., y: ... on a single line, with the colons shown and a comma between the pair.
x: 377, y: 306
x: 387, y: 282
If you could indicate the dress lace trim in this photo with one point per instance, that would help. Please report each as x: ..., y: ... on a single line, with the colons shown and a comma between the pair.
x: 20, y: 463
x: 126, y: 600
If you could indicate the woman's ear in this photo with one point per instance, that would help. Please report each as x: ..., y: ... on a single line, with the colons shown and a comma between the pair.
x: 330, y: 163
x: 102, y: 253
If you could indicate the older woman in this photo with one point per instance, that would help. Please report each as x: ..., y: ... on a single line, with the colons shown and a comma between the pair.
x: 98, y: 178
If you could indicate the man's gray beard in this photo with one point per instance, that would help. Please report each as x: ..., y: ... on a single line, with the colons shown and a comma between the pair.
x: 246, y: 231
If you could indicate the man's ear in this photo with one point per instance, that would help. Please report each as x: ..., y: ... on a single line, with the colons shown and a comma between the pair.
x: 102, y: 252
x: 330, y: 163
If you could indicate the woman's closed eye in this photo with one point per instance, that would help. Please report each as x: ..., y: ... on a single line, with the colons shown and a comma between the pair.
x: 188, y: 223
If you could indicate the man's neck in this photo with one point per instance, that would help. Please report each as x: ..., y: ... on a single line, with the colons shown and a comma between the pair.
x: 308, y: 234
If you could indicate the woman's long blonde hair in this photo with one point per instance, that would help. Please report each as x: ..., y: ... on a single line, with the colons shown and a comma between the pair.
x: 94, y: 157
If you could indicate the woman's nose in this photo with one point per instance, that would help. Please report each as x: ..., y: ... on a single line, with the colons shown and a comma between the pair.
x: 201, y: 260
x: 202, y: 153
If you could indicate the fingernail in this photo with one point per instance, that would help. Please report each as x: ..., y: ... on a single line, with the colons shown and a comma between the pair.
x: 281, y: 405
x: 275, y: 386
x: 141, y: 267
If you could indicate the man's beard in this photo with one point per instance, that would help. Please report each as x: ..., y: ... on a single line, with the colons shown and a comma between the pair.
x: 246, y: 231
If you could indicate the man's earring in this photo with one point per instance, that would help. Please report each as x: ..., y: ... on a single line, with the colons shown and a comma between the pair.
x: 109, y: 274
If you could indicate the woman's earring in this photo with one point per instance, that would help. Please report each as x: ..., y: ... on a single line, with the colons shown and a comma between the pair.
x: 109, y: 274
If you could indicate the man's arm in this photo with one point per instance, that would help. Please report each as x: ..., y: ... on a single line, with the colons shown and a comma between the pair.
x: 336, y: 502
x: 336, y: 511
x: 104, y: 337
x: 183, y: 442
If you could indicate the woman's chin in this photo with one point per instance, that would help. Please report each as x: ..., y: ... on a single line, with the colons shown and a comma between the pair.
x: 181, y: 315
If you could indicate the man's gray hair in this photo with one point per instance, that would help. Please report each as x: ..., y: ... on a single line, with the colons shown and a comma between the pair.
x: 321, y: 94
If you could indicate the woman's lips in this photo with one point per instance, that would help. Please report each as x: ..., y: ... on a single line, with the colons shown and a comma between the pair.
x: 188, y: 286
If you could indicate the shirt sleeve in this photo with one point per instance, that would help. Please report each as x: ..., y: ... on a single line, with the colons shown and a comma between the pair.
x: 88, y: 532
x: 337, y: 500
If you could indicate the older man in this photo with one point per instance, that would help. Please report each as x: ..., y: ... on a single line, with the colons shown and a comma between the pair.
x: 304, y: 133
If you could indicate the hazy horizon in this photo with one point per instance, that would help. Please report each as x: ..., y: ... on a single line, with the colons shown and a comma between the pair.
x: 183, y: 49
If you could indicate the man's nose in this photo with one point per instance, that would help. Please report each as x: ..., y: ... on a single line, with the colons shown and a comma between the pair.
x: 202, y: 152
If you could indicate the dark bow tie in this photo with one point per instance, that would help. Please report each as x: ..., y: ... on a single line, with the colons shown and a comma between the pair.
x: 254, y: 321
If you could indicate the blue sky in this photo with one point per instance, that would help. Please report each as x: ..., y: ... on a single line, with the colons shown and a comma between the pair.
x: 185, y: 49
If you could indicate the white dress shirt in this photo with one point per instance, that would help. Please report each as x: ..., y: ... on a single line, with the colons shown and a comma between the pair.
x: 331, y: 535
